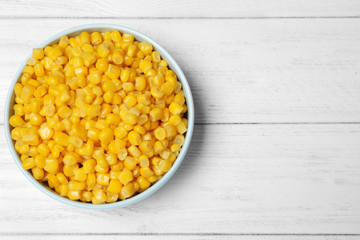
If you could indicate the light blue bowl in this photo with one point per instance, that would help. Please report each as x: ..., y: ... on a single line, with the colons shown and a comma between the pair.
x: 190, y: 116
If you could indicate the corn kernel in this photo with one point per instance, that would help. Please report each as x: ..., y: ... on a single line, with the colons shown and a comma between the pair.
x: 51, y: 165
x: 96, y: 38
x: 126, y: 176
x: 128, y: 190
x: 38, y: 173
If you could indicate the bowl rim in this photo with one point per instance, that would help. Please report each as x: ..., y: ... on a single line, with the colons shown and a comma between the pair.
x: 190, y: 116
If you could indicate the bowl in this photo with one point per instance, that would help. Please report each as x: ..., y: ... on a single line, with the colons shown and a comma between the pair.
x: 172, y: 65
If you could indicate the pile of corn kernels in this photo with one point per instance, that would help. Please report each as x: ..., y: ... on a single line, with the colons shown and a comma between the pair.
x: 98, y: 117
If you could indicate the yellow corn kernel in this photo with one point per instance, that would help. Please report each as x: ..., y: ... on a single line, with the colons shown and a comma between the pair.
x: 179, y: 139
x: 142, y: 119
x: 68, y: 170
x: 80, y: 174
x: 61, y: 138
x: 143, y: 183
x: 38, y: 173
x: 146, y: 48
x: 140, y: 129
x: 158, y: 147
x: 70, y: 159
x: 86, y: 196
x: 43, y: 150
x: 74, y: 195
x: 130, y: 118
x: 153, y: 178
x: 181, y: 128
x: 117, y: 58
x: 145, y: 65
x: 158, y: 80
x: 64, y: 111
x: 53, y: 179
x: 51, y: 165
x: 16, y: 121
x: 160, y: 133
x: 113, y: 71
x: 122, y: 154
x: 134, y: 138
x: 102, y: 64
x: 93, y: 133
x: 16, y: 133
x: 155, y: 114
x: 125, y: 75
x: 99, y: 197
x: 103, y: 51
x: 114, y: 186
x: 28, y: 69
x: 64, y: 189
x: 156, y: 92
x: 108, y: 97
x: 127, y: 191
x: 114, y: 174
x: 54, y: 53
x: 145, y: 146
x: 180, y: 98
x: 103, y: 179
x: 76, y: 185
x: 118, y: 166
x: 89, y: 166
x: 155, y: 56
x: 170, y: 130
x: 115, y: 36
x: 38, y: 53
x: 106, y: 135
x: 175, y: 147
x: 87, y: 48
x: 78, y: 130
x: 62, y: 178
x: 130, y: 163
x: 144, y: 161
x: 131, y: 50
x: 165, y: 165
x: 146, y: 172
x: 91, y: 181
x: 23, y: 148
x: 167, y: 88
x: 28, y: 163
x: 36, y: 119
x: 175, y: 120
x: 126, y: 176
x: 175, y: 108
x: 18, y: 89
x: 96, y: 38
x: 134, y: 151
x: 45, y: 132
x: 120, y: 132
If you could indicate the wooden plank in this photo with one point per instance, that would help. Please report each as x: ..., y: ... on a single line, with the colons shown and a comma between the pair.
x: 235, y: 179
x: 240, y: 71
x: 179, y: 9
x: 178, y: 237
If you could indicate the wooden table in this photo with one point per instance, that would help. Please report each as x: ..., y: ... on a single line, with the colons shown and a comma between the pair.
x: 276, y: 148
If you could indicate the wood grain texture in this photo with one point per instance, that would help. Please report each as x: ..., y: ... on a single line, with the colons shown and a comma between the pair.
x: 180, y: 9
x: 179, y: 237
x: 240, y: 71
x: 235, y: 179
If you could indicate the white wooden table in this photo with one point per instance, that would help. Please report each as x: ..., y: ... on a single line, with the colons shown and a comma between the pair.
x: 276, y: 149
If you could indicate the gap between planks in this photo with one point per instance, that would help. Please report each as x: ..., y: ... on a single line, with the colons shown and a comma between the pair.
x: 180, y: 18
x: 174, y: 234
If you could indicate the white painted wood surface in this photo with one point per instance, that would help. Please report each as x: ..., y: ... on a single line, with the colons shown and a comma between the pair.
x: 179, y: 9
x: 276, y: 145
x: 288, y: 70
